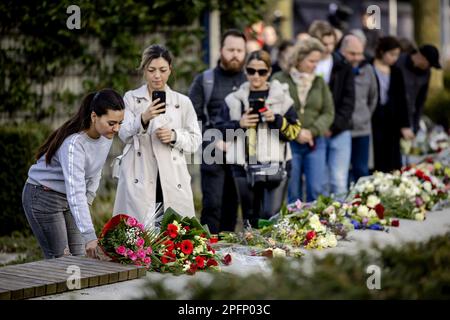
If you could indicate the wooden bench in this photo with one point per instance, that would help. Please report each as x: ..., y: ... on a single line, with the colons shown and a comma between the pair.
x: 52, y: 276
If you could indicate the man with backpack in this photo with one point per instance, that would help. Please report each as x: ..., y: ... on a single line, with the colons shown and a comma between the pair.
x: 207, y: 93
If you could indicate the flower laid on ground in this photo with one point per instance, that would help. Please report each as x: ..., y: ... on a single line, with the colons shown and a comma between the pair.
x: 186, y: 246
x: 404, y: 194
x: 368, y: 213
x: 331, y: 213
x: 259, y: 239
x: 303, y: 228
x: 125, y: 240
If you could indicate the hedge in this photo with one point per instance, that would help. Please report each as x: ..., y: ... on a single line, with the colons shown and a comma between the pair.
x: 18, y: 145
x: 414, y: 271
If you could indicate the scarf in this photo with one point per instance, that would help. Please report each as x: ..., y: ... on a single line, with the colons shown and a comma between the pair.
x: 303, y: 82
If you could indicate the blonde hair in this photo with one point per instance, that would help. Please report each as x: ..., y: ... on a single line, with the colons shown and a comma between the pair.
x: 320, y: 29
x: 304, y: 48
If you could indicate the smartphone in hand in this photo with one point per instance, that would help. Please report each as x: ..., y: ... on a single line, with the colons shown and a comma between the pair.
x: 258, y: 106
x: 162, y: 97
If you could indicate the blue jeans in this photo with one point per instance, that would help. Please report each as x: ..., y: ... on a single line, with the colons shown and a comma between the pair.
x: 360, y: 158
x: 339, y: 149
x: 311, y: 163
x: 52, y: 223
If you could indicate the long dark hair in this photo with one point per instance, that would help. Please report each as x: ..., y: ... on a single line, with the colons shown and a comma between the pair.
x: 99, y: 102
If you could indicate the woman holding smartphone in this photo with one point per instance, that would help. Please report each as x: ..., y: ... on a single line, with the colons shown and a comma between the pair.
x: 157, y: 135
x: 62, y: 183
x: 265, y: 111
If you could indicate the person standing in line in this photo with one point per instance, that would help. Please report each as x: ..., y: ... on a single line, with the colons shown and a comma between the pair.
x: 337, y: 73
x: 416, y: 68
x: 207, y: 92
x: 314, y: 105
x: 267, y: 141
x: 366, y: 99
x: 390, y: 120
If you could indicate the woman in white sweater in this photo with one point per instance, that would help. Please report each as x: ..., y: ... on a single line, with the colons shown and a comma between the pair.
x: 62, y: 183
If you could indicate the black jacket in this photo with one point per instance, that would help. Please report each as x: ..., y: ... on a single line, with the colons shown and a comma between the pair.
x: 416, y: 88
x: 387, y: 121
x: 224, y: 83
x: 343, y: 90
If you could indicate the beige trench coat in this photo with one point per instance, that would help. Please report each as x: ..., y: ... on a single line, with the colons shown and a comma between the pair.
x: 145, y: 155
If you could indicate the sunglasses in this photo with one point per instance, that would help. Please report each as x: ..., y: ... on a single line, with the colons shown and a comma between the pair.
x: 261, y: 72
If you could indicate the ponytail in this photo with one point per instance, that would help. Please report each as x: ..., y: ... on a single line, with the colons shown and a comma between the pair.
x: 99, y: 102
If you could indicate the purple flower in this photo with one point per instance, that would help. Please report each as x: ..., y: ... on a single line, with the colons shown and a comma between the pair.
x: 356, y: 224
x: 376, y: 226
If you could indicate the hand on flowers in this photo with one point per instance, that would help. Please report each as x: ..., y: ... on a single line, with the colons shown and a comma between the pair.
x: 164, y: 135
x: 91, y: 249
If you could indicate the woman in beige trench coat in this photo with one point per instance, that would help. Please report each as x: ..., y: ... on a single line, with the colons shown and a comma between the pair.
x: 152, y: 167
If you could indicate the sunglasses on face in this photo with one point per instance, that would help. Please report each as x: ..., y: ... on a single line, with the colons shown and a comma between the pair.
x: 261, y: 72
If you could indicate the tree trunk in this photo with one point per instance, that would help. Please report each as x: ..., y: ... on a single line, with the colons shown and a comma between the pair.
x: 427, y: 30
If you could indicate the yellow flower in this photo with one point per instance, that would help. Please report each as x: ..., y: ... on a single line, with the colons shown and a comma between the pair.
x: 419, y: 217
x: 277, y: 252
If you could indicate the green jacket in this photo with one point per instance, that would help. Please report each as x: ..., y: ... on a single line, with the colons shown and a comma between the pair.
x: 318, y: 112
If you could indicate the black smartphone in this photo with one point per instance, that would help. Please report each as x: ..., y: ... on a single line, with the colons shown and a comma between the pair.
x: 162, y: 97
x: 258, y: 106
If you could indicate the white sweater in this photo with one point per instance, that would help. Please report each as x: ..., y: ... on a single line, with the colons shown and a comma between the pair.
x: 75, y: 170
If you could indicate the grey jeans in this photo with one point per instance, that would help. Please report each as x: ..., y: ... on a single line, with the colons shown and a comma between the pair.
x: 49, y: 216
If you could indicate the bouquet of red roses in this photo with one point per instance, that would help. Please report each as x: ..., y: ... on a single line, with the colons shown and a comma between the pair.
x: 125, y: 240
x: 187, y: 247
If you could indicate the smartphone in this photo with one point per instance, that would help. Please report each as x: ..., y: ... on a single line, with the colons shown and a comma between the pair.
x: 258, y: 107
x: 162, y: 97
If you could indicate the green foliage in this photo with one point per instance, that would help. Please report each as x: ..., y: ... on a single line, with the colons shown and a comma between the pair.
x: 18, y: 145
x: 415, y: 271
x: 37, y: 47
x: 24, y: 244
x: 437, y: 107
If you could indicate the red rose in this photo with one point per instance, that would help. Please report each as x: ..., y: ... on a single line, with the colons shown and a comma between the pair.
x: 379, y: 209
x: 395, y: 223
x: 172, y: 230
x: 164, y: 260
x: 193, y: 268
x: 187, y: 228
x: 227, y: 260
x: 429, y: 160
x: 310, y: 235
x: 211, y: 262
x: 420, y: 174
x: 214, y: 238
x: 200, y: 261
x: 187, y: 247
x: 169, y: 245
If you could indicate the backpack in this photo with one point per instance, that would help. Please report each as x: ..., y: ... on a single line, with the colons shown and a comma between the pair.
x: 208, y: 85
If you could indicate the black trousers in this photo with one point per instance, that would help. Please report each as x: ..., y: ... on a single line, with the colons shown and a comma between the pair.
x: 261, y: 201
x: 220, y: 200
